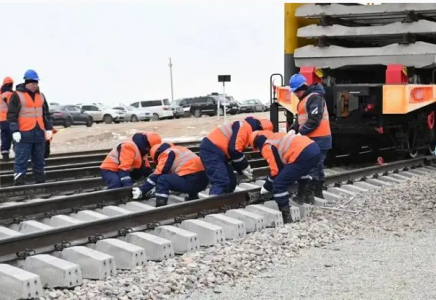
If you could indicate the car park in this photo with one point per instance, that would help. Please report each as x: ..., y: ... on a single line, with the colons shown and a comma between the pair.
x: 132, y: 114
x: 67, y: 115
x: 159, y: 109
x: 102, y: 113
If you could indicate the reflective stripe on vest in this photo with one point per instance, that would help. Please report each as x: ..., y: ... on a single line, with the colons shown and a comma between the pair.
x: 324, y: 126
x: 31, y: 111
x: 284, y: 145
x: 114, y: 155
x: 227, y: 129
x: 181, y: 158
x: 4, y: 105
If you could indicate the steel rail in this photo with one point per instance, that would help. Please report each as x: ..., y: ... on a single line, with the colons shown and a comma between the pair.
x: 106, y: 151
x: 92, y: 174
x: 121, y: 195
x: 54, y: 237
x: 80, y: 162
x: 76, y: 159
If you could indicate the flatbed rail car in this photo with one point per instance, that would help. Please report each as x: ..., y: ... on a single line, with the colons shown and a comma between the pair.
x: 377, y: 64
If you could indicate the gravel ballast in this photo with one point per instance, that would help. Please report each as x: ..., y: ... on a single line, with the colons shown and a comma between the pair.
x: 384, y: 252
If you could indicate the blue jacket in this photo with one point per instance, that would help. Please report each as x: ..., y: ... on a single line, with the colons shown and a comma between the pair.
x: 36, y: 135
x: 315, y: 104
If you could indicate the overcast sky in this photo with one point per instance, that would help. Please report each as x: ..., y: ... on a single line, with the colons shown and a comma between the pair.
x: 115, y: 53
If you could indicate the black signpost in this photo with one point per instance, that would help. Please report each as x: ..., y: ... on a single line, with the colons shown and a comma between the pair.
x: 223, y: 79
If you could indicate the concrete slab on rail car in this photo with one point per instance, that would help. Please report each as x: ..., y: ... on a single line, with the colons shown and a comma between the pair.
x: 378, y: 32
x: 419, y: 55
x: 364, y: 11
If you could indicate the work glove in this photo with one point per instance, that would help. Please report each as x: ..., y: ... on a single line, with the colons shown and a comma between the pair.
x: 263, y: 191
x: 48, y: 135
x: 136, y: 193
x: 16, y: 136
x: 248, y: 172
x: 291, y: 132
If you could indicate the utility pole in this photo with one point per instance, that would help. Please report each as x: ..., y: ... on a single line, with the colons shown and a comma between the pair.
x: 171, y: 77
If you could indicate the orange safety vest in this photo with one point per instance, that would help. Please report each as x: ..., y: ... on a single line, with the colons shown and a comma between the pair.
x: 324, y: 127
x: 222, y: 134
x: 4, y: 105
x: 185, y: 162
x: 290, y: 147
x: 31, y: 112
x: 114, y: 160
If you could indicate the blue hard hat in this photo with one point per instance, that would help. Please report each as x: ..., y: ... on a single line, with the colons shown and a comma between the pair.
x: 296, y: 81
x: 31, y: 74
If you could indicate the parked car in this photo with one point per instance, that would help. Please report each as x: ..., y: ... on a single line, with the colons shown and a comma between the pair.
x: 67, y: 115
x: 205, y: 105
x: 177, y: 110
x: 159, y: 109
x: 133, y: 114
x: 227, y: 101
x: 266, y: 106
x: 102, y: 113
x: 253, y: 105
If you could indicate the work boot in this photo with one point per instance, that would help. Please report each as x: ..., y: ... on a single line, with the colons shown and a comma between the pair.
x: 191, y: 197
x: 161, y: 201
x: 286, y: 214
x: 5, y: 156
x: 299, y: 197
x: 309, y: 196
x: 39, y: 178
x: 318, y: 189
x: 19, y: 181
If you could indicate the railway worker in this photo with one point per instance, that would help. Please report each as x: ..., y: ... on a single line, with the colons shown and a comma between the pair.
x: 128, y: 161
x: 313, y: 122
x: 227, y: 143
x: 178, y: 169
x: 290, y: 159
x: 6, y: 137
x: 266, y: 142
x: 30, y: 125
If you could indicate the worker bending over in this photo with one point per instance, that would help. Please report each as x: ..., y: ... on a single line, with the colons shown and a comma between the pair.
x: 6, y: 136
x: 290, y: 158
x: 28, y: 115
x: 178, y: 169
x: 224, y: 144
x: 128, y: 161
x: 313, y: 122
x: 269, y: 152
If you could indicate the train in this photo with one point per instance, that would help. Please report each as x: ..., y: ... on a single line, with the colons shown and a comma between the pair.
x: 377, y: 64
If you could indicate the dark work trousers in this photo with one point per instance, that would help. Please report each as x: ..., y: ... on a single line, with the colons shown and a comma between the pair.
x: 24, y: 151
x: 289, y: 174
x: 6, y: 137
x: 113, y: 179
x: 190, y: 184
x: 220, y: 173
x: 317, y: 172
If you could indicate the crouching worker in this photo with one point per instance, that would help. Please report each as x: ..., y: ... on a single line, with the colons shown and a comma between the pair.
x: 178, y: 169
x: 222, y: 152
x: 127, y: 161
x: 290, y: 159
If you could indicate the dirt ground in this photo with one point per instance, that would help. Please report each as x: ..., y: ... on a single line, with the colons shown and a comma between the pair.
x: 106, y: 136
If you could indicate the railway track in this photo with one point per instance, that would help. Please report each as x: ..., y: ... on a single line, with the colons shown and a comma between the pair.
x: 93, y: 235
